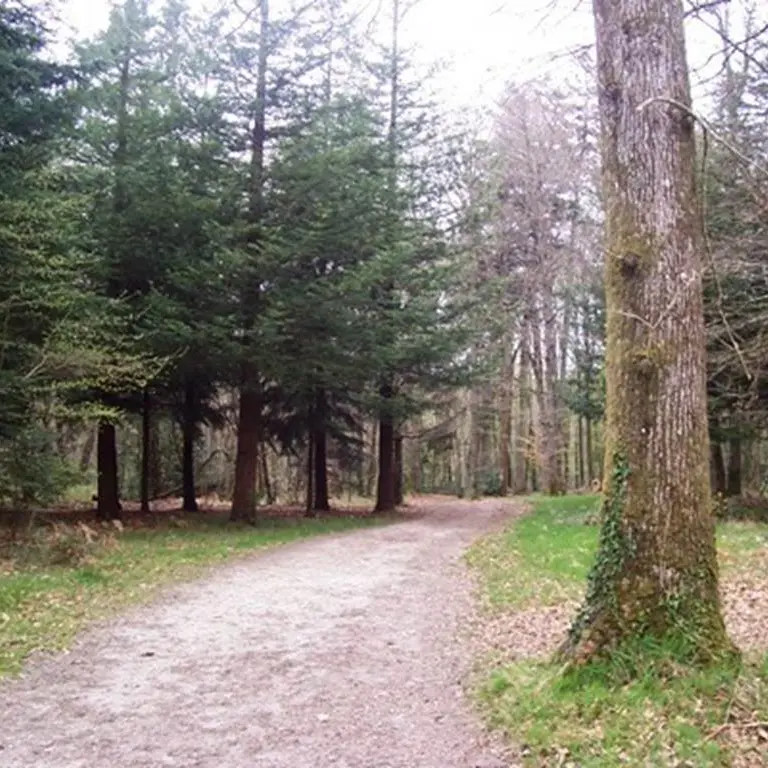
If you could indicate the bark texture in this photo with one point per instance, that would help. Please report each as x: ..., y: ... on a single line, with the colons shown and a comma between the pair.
x: 656, y: 569
x: 249, y: 419
x: 189, y: 436
x: 108, y: 498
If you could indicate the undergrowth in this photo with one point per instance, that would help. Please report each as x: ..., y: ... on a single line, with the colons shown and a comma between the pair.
x: 44, y: 603
x: 642, y: 707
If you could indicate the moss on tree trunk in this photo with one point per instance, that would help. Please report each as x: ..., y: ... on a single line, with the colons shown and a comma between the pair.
x: 656, y: 568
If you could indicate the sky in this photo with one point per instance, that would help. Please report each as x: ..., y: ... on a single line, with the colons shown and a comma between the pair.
x: 480, y: 44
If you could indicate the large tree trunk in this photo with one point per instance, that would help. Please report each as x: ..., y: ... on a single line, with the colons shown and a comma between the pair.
x: 734, y: 467
x: 108, y: 497
x: 146, y: 450
x: 189, y: 437
x: 249, y: 420
x: 246, y: 461
x: 656, y: 568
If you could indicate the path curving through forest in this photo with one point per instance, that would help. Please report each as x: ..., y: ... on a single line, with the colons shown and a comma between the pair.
x: 337, y: 652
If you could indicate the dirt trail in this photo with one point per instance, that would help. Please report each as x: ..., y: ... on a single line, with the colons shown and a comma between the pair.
x: 336, y: 652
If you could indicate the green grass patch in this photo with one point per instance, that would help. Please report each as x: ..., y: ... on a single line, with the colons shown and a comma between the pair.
x: 42, y: 607
x: 542, y: 559
x: 643, y: 707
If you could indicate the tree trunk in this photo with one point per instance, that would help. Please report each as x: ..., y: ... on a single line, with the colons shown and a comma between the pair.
x: 268, y: 490
x: 87, y: 453
x: 146, y: 450
x: 717, y: 467
x: 590, y: 453
x: 108, y: 497
x: 656, y: 567
x: 580, y: 455
x: 734, y: 467
x: 249, y: 419
x: 398, y: 469
x: 385, y: 488
x: 505, y: 425
x: 321, y: 502
x: 523, y: 416
x: 189, y: 436
x: 310, y: 476
x: 246, y: 461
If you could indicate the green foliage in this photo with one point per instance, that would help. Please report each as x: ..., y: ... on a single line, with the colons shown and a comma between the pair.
x: 31, y: 472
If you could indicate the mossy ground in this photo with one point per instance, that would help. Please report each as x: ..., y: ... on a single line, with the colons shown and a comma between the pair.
x: 42, y: 607
x: 641, y: 707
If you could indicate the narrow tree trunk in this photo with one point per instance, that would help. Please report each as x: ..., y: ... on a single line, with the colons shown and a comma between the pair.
x: 87, y: 453
x: 267, y: 480
x: 656, y: 567
x: 523, y: 414
x: 189, y: 436
x: 385, y: 488
x: 734, y: 467
x: 310, y: 476
x: 580, y: 455
x: 717, y: 466
x: 321, y: 501
x: 398, y: 469
x: 108, y: 498
x: 146, y: 450
x: 590, y: 452
x: 505, y: 425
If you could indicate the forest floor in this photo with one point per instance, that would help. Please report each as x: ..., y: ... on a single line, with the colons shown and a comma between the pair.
x: 340, y: 651
x: 642, y: 709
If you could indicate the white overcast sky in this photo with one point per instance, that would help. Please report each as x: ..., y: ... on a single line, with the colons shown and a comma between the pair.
x: 483, y: 43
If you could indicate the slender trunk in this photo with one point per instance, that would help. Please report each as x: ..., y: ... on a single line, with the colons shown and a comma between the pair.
x: 717, y: 466
x: 321, y: 502
x: 580, y: 455
x: 87, y: 453
x: 656, y: 568
x: 734, y: 467
x: 398, y: 469
x: 146, y: 450
x: 108, y: 498
x: 268, y: 490
x: 524, y: 407
x: 385, y: 488
x: 505, y: 425
x: 189, y: 436
x: 310, y: 476
x: 590, y: 452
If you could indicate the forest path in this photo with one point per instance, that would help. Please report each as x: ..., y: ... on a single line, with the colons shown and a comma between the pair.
x: 337, y: 652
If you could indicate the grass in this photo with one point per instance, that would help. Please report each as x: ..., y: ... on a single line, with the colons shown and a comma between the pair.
x: 640, y: 708
x: 43, y: 607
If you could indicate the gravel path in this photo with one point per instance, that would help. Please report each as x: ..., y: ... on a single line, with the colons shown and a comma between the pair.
x: 336, y: 652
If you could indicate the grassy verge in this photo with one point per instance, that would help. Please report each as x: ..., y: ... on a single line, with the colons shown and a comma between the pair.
x: 641, y: 708
x: 43, y: 607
